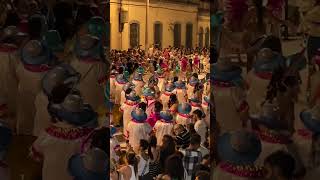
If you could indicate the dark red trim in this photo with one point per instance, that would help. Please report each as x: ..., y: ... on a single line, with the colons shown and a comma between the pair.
x: 131, y: 103
x: 68, y: 134
x: 194, y: 104
x: 121, y: 82
x: 166, y: 93
x: 305, y: 133
x: 103, y: 79
x: 166, y: 121
x: 222, y: 84
x: 243, y: 107
x: 133, y: 120
x: 184, y: 115
x: 242, y: 171
x: 7, y: 48
x: 264, y: 75
x: 37, y: 68
x: 37, y: 155
x: 272, y: 138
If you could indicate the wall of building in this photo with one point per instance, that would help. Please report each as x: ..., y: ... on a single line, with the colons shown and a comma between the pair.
x: 164, y: 12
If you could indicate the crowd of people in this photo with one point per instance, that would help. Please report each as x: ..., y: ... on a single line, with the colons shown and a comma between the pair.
x: 52, y: 81
x: 267, y: 112
x: 161, y: 114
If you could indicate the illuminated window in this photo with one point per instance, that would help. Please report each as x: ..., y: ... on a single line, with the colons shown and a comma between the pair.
x: 201, y: 37
x: 158, y: 34
x: 189, y: 29
x: 207, y: 39
x: 134, y: 35
x: 177, y: 35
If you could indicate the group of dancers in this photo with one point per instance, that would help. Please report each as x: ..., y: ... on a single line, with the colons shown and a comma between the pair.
x: 159, y: 91
x: 267, y: 112
x: 50, y: 91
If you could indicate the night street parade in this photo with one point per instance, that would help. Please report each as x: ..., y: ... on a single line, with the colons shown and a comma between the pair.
x: 159, y: 89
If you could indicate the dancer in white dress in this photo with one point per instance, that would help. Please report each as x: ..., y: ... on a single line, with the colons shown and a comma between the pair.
x: 191, y: 85
x: 164, y: 126
x: 165, y: 96
x: 238, y: 152
x: 132, y: 101
x: 273, y: 134
x: 259, y: 77
x: 138, y: 128
x: 138, y: 83
x: 150, y: 98
x: 195, y: 103
x: 74, y: 122
x: 184, y: 117
x: 112, y: 86
x: 126, y: 87
x: 10, y: 40
x: 119, y: 83
x: 89, y: 62
x: 161, y: 78
x: 229, y: 95
x: 181, y: 90
x: 35, y: 62
x: 62, y: 74
x: 307, y: 140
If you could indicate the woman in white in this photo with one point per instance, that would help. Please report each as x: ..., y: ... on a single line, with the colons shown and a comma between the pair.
x: 191, y: 85
x: 268, y: 127
x: 62, y: 74
x: 62, y: 139
x: 259, y: 77
x: 229, y: 95
x: 181, y: 91
x: 138, y: 128
x: 164, y: 126
x: 127, y: 86
x: 150, y: 99
x: 206, y: 85
x: 161, y: 79
x: 130, y: 170
x: 132, y: 101
x: 35, y: 63
x: 119, y: 84
x: 165, y: 96
x: 9, y: 60
x: 138, y: 83
x: 183, y: 117
x: 89, y: 62
x: 112, y: 86
x: 307, y: 141
x: 195, y: 103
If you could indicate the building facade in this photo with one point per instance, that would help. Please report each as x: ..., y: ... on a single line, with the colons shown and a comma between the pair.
x: 160, y: 22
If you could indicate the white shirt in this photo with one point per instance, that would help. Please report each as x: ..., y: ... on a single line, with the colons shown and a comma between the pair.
x: 204, y: 151
x: 201, y: 128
